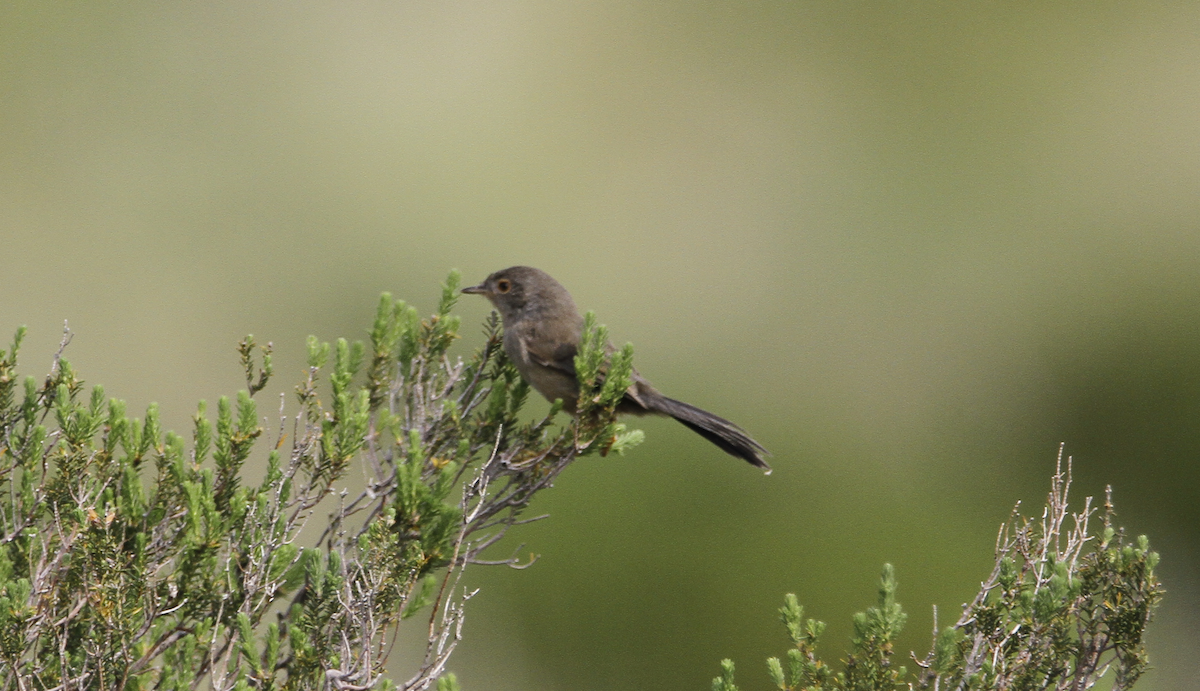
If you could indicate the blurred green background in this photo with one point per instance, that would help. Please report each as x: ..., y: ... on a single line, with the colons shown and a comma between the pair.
x: 911, y: 246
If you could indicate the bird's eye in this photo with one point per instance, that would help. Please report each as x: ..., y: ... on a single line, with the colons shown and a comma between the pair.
x: 503, y: 285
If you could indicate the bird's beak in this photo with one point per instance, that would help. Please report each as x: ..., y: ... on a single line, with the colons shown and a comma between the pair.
x: 475, y: 290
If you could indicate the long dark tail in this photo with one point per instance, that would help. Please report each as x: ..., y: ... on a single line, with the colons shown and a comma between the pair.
x: 730, y: 438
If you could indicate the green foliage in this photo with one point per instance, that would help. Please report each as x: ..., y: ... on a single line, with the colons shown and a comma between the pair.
x: 1062, y: 607
x: 130, y: 561
x: 869, y: 665
x: 604, y: 374
x: 725, y: 681
x: 246, y: 350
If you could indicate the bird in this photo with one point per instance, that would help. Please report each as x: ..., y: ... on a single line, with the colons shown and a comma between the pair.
x: 542, y: 333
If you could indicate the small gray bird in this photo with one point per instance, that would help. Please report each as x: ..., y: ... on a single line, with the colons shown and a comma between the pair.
x: 542, y: 332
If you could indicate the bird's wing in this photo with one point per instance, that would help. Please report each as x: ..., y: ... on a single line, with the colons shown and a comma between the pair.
x: 639, y: 393
x: 560, y: 357
x: 563, y: 359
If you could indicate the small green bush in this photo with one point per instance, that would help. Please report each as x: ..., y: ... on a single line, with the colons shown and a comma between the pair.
x: 1064, y: 606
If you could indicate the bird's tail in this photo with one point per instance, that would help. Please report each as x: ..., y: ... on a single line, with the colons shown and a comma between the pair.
x: 730, y: 438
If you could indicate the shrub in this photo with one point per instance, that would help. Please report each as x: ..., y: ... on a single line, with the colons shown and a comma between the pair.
x: 1063, y: 606
x: 131, y: 558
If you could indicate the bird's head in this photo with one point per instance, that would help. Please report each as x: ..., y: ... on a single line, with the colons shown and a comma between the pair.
x: 518, y: 289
